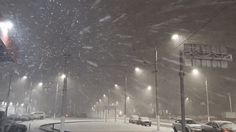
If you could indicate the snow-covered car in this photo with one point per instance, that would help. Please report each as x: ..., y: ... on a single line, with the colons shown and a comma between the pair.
x: 144, y: 121
x: 134, y: 119
x: 14, y: 117
x: 39, y: 115
x: 219, y: 126
x: 191, y: 126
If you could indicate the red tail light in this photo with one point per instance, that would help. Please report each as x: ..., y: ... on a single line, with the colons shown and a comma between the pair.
x: 225, y: 130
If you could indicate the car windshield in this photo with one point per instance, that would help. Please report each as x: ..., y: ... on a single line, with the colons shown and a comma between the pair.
x: 109, y: 64
x: 135, y: 117
x: 144, y: 118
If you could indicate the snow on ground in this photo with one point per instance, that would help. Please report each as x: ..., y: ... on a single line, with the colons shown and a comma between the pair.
x: 93, y: 125
x: 111, y: 126
x: 33, y: 126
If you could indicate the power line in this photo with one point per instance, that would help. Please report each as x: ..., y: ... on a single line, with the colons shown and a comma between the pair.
x: 203, y: 26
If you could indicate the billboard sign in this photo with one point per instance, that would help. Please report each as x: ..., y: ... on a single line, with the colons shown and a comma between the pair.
x: 202, y: 55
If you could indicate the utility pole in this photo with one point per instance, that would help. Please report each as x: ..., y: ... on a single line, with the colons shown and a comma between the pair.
x: 30, y: 97
x: 108, y: 102
x: 64, y: 94
x: 57, y: 88
x: 230, y: 102
x: 125, y: 104
x: 7, y: 105
x: 8, y: 95
x: 207, y: 101
x: 115, y: 112
x: 157, y: 100
x: 182, y: 94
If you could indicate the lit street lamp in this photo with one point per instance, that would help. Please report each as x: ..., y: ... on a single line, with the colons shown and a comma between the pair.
x: 24, y: 77
x: 138, y: 70
x: 104, y: 95
x: 128, y: 98
x: 116, y: 86
x: 175, y: 37
x: 196, y: 72
x: 40, y: 84
x: 149, y: 88
x: 63, y: 76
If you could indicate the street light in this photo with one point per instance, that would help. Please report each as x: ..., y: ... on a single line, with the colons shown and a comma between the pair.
x: 138, y: 70
x: 116, y: 86
x: 175, y: 37
x: 128, y: 98
x: 63, y: 76
x: 195, y: 73
x: 24, y: 77
x: 104, y: 95
x: 40, y: 84
x: 149, y: 88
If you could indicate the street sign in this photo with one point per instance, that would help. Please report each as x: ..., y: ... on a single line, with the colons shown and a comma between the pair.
x: 201, y: 55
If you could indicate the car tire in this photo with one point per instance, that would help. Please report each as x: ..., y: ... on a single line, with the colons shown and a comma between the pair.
x: 175, y: 130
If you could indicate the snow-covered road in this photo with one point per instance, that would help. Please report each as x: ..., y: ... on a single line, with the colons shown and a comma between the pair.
x: 93, y: 125
x: 109, y: 127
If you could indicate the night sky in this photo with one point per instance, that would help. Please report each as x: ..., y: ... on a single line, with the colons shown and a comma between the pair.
x: 108, y: 38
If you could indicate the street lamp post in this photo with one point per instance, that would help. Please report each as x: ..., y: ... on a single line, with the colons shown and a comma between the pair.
x: 182, y: 92
x: 57, y: 91
x: 64, y: 94
x: 157, y: 100
x: 57, y: 87
x: 207, y: 101
x: 108, y: 102
x: 230, y: 102
x: 196, y: 72
x: 125, y: 95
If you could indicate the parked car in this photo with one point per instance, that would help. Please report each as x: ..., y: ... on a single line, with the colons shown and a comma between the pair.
x: 14, y: 117
x: 191, y: 126
x: 39, y: 115
x: 134, y: 119
x: 219, y: 126
x: 33, y: 116
x: 144, y: 121
x: 25, y: 117
x: 10, y: 124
